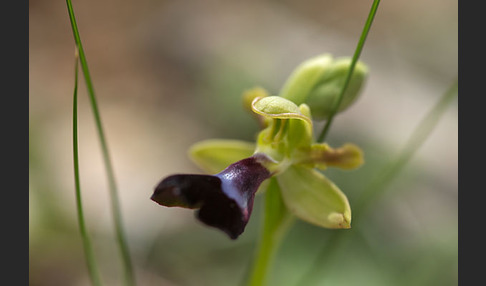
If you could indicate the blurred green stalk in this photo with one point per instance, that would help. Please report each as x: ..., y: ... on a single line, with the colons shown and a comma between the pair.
x: 354, y: 60
x: 378, y: 185
x: 88, y: 250
x: 421, y: 132
x: 276, y: 222
x: 115, y: 205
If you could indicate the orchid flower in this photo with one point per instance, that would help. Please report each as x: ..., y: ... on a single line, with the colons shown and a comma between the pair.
x: 285, y: 149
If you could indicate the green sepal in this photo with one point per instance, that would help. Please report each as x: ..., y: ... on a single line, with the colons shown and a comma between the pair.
x: 310, y: 196
x: 214, y: 155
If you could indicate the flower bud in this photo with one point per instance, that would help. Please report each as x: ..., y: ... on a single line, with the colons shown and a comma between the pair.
x: 325, y: 94
x: 305, y: 78
x: 318, y: 82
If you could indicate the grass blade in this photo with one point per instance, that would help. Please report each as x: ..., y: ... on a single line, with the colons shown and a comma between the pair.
x: 88, y: 250
x: 115, y: 205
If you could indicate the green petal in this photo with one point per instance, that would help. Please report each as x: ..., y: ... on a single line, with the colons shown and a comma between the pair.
x: 215, y: 155
x: 347, y: 157
x: 312, y: 197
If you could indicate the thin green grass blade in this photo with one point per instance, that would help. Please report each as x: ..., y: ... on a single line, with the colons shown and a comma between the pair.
x: 115, y: 205
x: 354, y: 60
x: 88, y: 250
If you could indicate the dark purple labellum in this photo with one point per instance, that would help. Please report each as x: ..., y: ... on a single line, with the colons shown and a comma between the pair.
x: 225, y: 200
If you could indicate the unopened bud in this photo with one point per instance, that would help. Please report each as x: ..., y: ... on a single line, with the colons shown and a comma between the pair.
x: 325, y: 95
x: 319, y: 81
x: 305, y: 78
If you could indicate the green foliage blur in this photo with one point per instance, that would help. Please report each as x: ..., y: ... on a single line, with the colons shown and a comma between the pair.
x: 170, y: 73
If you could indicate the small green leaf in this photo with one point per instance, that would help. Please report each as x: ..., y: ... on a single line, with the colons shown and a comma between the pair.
x: 312, y: 197
x: 215, y: 155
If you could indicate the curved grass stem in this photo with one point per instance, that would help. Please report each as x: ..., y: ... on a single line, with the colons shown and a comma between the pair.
x: 115, y: 205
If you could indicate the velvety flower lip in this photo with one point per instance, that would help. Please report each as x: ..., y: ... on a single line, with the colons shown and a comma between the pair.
x: 224, y: 200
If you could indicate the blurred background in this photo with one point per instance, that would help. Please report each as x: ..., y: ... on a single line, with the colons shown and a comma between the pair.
x: 170, y: 73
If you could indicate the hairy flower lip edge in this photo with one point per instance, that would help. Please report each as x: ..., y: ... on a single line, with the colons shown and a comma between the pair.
x: 224, y: 200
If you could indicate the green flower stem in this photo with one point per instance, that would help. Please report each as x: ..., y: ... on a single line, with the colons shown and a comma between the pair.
x: 115, y: 205
x: 276, y: 222
x: 378, y: 186
x: 276, y: 217
x: 356, y: 55
x: 88, y: 250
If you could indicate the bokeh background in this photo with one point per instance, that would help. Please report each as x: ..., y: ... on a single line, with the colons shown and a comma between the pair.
x: 170, y: 73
